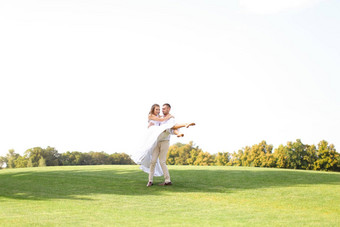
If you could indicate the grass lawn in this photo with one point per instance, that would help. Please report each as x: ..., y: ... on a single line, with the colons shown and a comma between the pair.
x: 200, y: 196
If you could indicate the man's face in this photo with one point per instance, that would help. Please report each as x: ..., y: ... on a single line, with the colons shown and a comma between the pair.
x: 165, y: 110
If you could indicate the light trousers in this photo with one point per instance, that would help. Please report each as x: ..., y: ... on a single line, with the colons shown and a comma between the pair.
x: 161, y: 151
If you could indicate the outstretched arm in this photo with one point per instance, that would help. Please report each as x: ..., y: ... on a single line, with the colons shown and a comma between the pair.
x: 155, y: 118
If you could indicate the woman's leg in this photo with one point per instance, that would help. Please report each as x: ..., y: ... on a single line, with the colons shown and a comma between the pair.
x: 177, y: 133
x: 177, y: 126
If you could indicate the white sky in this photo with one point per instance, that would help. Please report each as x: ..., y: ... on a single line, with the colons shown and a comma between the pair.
x: 81, y: 75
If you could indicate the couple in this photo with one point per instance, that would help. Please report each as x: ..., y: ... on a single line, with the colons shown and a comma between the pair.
x: 152, y: 155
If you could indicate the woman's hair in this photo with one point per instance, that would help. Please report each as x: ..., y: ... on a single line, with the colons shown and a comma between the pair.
x: 153, y: 108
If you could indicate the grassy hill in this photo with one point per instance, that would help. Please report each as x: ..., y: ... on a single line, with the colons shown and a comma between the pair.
x: 200, y: 196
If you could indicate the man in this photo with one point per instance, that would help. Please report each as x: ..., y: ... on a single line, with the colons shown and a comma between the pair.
x: 161, y: 151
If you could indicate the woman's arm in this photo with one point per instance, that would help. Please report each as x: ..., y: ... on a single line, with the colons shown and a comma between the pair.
x: 155, y: 118
x: 150, y: 124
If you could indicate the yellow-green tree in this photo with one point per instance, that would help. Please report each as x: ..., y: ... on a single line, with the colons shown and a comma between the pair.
x: 179, y: 153
x: 327, y: 157
x: 188, y: 154
x: 11, y: 157
x: 310, y: 157
x: 42, y: 162
x: 204, y: 159
x: 21, y: 162
x: 235, y: 159
x: 222, y: 158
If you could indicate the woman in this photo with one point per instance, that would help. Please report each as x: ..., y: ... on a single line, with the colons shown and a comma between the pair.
x: 157, y: 125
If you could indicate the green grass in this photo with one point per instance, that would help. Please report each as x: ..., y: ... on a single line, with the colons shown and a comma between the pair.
x: 200, y: 196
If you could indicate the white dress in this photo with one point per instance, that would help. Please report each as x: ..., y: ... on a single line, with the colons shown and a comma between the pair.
x: 144, y: 154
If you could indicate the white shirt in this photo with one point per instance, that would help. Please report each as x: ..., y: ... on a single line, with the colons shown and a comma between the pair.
x: 165, y: 136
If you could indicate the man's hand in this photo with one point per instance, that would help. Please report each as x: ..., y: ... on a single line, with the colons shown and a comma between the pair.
x: 150, y: 124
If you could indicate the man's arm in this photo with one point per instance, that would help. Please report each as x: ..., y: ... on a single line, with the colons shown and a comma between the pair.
x: 155, y: 118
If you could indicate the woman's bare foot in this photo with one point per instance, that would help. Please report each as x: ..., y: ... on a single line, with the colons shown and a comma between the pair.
x: 180, y: 135
x: 191, y: 124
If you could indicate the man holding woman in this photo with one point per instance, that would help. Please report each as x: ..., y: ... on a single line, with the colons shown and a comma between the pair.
x: 154, y: 153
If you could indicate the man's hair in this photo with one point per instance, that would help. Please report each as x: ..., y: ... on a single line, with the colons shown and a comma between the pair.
x: 167, y: 104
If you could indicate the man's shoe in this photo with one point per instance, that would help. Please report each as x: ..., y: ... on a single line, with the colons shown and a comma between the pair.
x: 165, y: 183
x: 149, y: 184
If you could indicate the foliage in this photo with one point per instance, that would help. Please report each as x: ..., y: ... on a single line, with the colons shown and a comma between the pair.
x: 21, y: 162
x: 188, y: 154
x: 11, y: 157
x: 222, y: 158
x: 259, y: 155
x: 50, y: 156
x: 3, y: 161
x: 328, y: 158
x: 39, y: 157
x: 293, y: 155
x: 42, y: 162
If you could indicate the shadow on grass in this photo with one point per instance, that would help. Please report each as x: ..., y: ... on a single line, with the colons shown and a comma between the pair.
x: 80, y: 183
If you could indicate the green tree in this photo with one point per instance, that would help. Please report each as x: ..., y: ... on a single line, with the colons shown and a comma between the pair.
x: 292, y: 156
x: 244, y: 156
x: 67, y: 158
x: 94, y: 158
x: 222, y: 158
x: 80, y: 158
x: 34, y: 155
x: 310, y: 157
x: 327, y: 157
x: 11, y: 157
x: 121, y: 159
x: 99, y: 158
x: 42, y: 162
x: 186, y: 154
x: 21, y: 162
x: 51, y: 156
x: 235, y: 159
x: 281, y: 157
x: 204, y: 159
x: 300, y: 151
x: 3, y: 162
x: 179, y: 153
x: 268, y: 160
x: 258, y: 155
x: 193, y: 156
x: 30, y: 163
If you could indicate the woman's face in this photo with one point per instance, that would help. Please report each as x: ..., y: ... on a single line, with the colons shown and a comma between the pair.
x: 157, y: 110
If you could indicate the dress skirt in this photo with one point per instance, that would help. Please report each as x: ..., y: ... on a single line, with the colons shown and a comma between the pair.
x: 144, y: 154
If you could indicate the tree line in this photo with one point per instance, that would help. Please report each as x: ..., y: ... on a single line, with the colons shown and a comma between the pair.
x: 293, y: 155
x: 38, y: 157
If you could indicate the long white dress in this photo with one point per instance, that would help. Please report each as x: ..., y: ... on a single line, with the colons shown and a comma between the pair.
x: 144, y: 154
